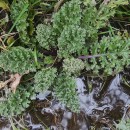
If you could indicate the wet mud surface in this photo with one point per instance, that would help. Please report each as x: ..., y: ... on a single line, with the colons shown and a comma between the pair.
x: 102, y: 104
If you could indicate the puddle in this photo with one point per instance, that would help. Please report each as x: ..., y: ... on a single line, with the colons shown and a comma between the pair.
x: 100, y: 109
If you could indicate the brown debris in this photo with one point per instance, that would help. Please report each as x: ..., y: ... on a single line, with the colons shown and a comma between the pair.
x: 15, y: 82
x: 4, y: 83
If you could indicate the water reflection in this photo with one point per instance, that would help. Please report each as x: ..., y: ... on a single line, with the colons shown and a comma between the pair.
x: 100, y: 108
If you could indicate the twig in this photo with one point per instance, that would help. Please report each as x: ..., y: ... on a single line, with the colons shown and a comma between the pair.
x: 9, y: 34
x: 99, y: 55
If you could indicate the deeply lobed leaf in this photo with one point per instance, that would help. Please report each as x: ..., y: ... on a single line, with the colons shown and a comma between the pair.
x: 18, y: 60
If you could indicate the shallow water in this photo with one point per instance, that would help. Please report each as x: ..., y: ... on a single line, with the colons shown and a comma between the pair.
x: 100, y: 108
